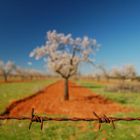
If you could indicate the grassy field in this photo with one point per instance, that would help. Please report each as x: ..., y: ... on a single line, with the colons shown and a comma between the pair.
x: 18, y: 130
x: 127, y: 99
x: 14, y: 91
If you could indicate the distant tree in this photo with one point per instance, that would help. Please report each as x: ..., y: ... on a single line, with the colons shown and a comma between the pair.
x: 104, y: 72
x: 34, y: 74
x: 6, y: 69
x: 22, y: 73
x: 129, y: 71
x: 115, y: 73
x: 29, y: 73
x: 97, y: 76
x: 125, y: 72
x: 64, y: 54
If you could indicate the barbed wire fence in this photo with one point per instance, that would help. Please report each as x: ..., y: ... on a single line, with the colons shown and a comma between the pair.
x: 100, y: 119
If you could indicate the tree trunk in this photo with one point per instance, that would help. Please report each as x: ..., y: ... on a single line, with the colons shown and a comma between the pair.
x: 66, y: 89
x: 5, y: 78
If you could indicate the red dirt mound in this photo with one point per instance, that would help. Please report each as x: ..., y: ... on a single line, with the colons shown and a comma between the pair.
x: 82, y: 103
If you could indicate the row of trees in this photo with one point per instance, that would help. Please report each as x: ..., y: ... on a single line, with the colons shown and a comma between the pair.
x: 10, y: 69
x: 123, y: 73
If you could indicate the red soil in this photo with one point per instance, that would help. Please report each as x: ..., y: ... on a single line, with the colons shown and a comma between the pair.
x: 50, y: 101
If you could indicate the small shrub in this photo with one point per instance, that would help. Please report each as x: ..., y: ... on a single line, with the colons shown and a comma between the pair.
x: 124, y: 87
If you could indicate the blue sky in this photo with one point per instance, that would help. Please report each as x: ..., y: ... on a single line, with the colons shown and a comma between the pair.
x: 114, y: 23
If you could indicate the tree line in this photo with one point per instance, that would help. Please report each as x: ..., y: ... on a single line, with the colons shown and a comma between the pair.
x: 11, y: 70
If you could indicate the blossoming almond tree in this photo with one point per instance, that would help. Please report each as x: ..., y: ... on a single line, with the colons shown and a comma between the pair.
x: 64, y: 54
x: 6, y: 69
x: 125, y: 72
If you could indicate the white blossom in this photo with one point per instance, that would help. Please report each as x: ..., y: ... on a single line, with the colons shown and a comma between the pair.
x: 126, y: 71
x: 63, y: 53
x: 7, y: 68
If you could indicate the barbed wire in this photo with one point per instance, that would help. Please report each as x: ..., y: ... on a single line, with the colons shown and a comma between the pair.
x: 101, y: 119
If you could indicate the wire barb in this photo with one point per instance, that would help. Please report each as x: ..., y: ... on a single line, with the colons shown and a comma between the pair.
x: 35, y: 118
x: 104, y: 119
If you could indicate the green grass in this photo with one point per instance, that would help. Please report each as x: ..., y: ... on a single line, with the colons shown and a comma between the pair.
x: 129, y: 99
x: 126, y: 130
x: 14, y: 91
x: 18, y: 130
